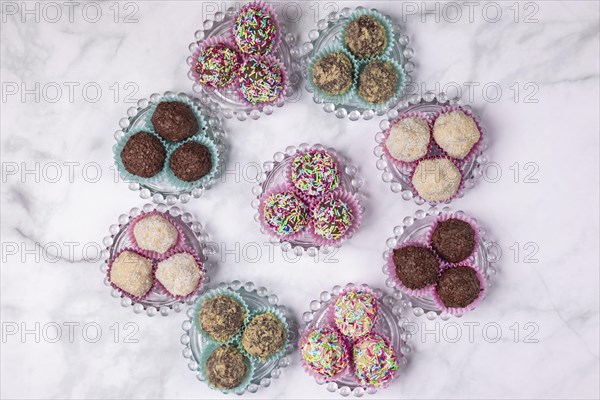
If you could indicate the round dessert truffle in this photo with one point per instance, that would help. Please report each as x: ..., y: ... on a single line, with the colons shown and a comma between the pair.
x: 191, y: 161
x: 416, y: 267
x: 458, y: 287
x: 354, y: 313
x: 174, y: 121
x: 377, y: 82
x: 365, y: 37
x: 254, y: 30
x: 143, y: 155
x: 217, y: 65
x: 456, y: 133
x: 453, y: 240
x: 332, y: 218
x: 226, y: 367
x: 222, y: 317
x: 409, y: 139
x: 333, y: 73
x: 375, y: 362
x: 315, y: 173
x: 154, y: 232
x: 323, y: 351
x: 180, y: 274
x: 263, y: 336
x: 436, y: 179
x: 285, y: 213
x: 261, y: 80
x: 131, y: 273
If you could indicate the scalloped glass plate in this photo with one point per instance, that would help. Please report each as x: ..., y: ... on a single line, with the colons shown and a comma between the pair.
x: 195, y: 238
x: 229, y: 102
x: 391, y: 324
x: 264, y: 372
x: 328, y: 32
x: 415, y: 229
x: 400, y: 182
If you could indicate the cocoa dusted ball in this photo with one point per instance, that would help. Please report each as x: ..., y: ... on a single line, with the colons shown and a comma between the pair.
x: 191, y: 161
x: 143, y: 155
x: 416, y: 267
x: 226, y: 367
x: 377, y: 82
x: 174, y: 121
x: 453, y: 240
x: 333, y: 73
x: 366, y: 37
x: 458, y: 286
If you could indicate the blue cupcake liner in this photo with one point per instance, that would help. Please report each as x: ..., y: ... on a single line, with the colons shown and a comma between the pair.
x: 181, y: 99
x: 321, y: 95
x: 387, y: 25
x: 281, y: 317
x: 128, y: 176
x: 210, y: 295
x: 204, y: 376
x: 397, y: 91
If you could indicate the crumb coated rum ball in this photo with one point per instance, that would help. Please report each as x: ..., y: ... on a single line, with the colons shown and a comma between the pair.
x: 324, y: 352
x: 375, y: 362
x: 174, y: 121
x: 354, y: 313
x: 333, y: 73
x: 261, y: 80
x: 191, y: 161
x: 377, y: 82
x: 226, y: 367
x: 458, y: 287
x: 132, y: 273
x: 217, y: 65
x: 255, y: 30
x: 365, y: 37
x: 179, y: 274
x: 315, y: 173
x: 154, y: 232
x: 332, y: 217
x: 408, y: 139
x: 453, y: 240
x: 143, y: 155
x: 263, y: 336
x: 456, y: 133
x: 222, y: 317
x: 436, y: 179
x: 416, y: 266
x: 285, y: 213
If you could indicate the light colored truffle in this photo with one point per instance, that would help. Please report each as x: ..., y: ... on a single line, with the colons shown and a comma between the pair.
x: 179, y: 274
x: 436, y: 179
x: 132, y: 273
x: 155, y: 233
x: 456, y: 133
x: 409, y: 139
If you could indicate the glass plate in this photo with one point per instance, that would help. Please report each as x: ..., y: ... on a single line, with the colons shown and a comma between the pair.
x: 328, y: 32
x: 195, y: 238
x: 228, y: 100
x: 274, y: 174
x: 415, y: 229
x: 255, y: 298
x: 429, y: 103
x: 391, y: 324
x: 161, y: 191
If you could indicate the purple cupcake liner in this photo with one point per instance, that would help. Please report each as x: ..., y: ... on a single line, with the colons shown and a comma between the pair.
x: 149, y: 253
x: 459, y: 191
x: 460, y: 311
x: 204, y: 45
x: 352, y: 204
x: 346, y: 371
x: 284, y: 82
x: 123, y: 292
x: 281, y: 188
x: 312, y: 151
x: 397, y: 356
x: 476, y: 147
x: 407, y: 167
x: 445, y: 217
x: 391, y: 271
x: 331, y: 312
x: 267, y: 9
x: 177, y: 250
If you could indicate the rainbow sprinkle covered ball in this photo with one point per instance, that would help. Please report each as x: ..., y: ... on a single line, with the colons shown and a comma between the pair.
x: 354, y: 313
x: 315, y: 173
x: 261, y: 80
x: 375, y: 362
x: 331, y: 217
x: 285, y: 213
x: 255, y: 30
x: 217, y: 65
x: 324, y: 352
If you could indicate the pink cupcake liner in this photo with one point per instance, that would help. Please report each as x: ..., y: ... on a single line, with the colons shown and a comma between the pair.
x: 353, y: 205
x: 160, y: 287
x: 149, y: 253
x: 407, y: 167
x: 281, y: 188
x: 284, y: 83
x: 201, y: 47
x: 445, y: 217
x: 346, y: 371
x: 123, y: 292
x: 312, y: 151
x: 476, y: 147
x: 460, y: 311
x: 397, y: 355
x: 391, y: 271
x: 459, y: 191
x: 266, y: 8
x: 331, y: 311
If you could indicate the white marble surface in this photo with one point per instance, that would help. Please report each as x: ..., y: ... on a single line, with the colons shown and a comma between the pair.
x: 555, y: 57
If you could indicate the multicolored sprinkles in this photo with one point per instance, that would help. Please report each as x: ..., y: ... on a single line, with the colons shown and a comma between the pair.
x: 315, y: 173
x: 324, y: 352
x: 217, y: 65
x: 354, y: 313
x: 261, y: 79
x: 285, y: 213
x: 375, y: 362
x: 331, y: 218
x: 254, y: 30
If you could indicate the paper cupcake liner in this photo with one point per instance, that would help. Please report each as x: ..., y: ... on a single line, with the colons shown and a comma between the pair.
x: 331, y: 312
x: 128, y: 176
x: 445, y: 217
x: 312, y: 151
x: 164, y: 290
x: 123, y: 292
x: 397, y: 90
x: 407, y: 167
x: 210, y: 295
x: 149, y: 253
x: 456, y: 310
x: 205, y: 355
x: 397, y: 355
x: 216, y: 157
x: 320, y: 94
x: 204, y: 45
x: 265, y: 8
x: 284, y: 83
x: 180, y: 99
x: 472, y: 154
x: 311, y: 372
x: 387, y: 25
x: 391, y: 271
x: 353, y: 205
x: 459, y: 190
x: 279, y: 315
x: 281, y: 188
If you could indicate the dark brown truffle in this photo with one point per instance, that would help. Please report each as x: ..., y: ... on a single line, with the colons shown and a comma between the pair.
x: 333, y: 73
x: 377, y: 82
x: 174, y: 121
x: 191, y: 161
x: 264, y: 336
x: 226, y: 367
x: 143, y: 155
x: 453, y: 240
x: 458, y: 286
x: 222, y: 317
x: 365, y: 37
x: 416, y: 267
